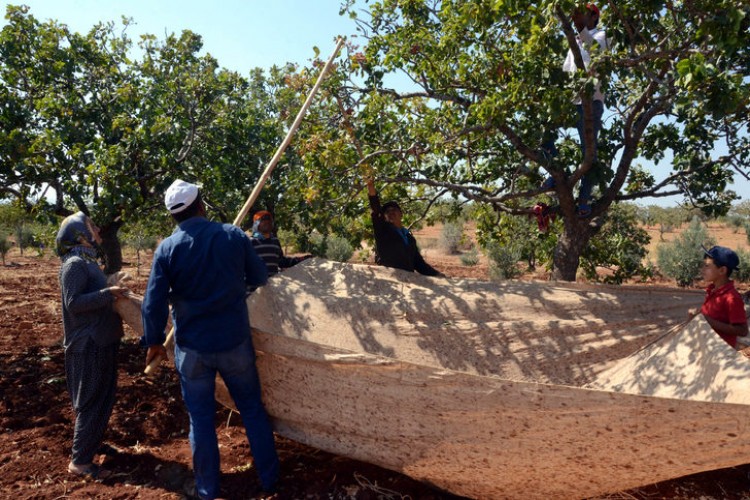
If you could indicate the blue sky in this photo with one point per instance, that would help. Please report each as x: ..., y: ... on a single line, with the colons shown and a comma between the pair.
x: 241, y: 35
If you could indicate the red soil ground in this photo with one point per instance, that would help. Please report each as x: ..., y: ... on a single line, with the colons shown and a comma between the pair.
x: 149, y: 424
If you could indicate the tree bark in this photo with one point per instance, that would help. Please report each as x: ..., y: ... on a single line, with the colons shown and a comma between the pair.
x: 570, y: 245
x: 111, y: 248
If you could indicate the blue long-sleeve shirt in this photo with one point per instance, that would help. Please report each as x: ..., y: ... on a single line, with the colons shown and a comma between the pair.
x: 203, y: 269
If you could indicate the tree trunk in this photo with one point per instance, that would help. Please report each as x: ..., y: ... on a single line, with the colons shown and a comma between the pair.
x: 111, y: 248
x: 573, y: 240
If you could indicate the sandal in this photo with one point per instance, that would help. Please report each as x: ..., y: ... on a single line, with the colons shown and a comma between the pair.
x: 88, y: 471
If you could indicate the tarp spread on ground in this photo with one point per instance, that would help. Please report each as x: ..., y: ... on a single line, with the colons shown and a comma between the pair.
x: 495, y: 390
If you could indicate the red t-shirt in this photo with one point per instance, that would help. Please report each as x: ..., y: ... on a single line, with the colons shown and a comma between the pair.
x: 725, y: 304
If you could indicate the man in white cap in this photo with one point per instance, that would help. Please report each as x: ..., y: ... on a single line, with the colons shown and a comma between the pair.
x: 203, y: 269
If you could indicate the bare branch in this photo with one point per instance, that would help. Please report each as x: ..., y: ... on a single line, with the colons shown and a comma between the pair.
x: 428, y: 207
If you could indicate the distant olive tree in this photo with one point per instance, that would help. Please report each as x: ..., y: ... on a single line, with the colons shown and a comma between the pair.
x: 743, y: 273
x: 504, y: 260
x: 451, y: 237
x: 24, y: 237
x: 682, y: 258
x: 140, y: 237
x: 470, y: 258
x: 338, y: 249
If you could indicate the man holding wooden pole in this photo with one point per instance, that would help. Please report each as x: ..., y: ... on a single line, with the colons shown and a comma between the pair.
x: 203, y: 269
x: 154, y: 361
x: 205, y: 366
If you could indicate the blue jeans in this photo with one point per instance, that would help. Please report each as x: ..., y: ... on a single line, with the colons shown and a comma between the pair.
x: 198, y: 380
x: 584, y: 195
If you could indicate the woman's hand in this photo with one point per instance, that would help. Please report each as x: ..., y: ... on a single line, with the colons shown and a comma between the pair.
x: 119, y: 292
x: 118, y: 278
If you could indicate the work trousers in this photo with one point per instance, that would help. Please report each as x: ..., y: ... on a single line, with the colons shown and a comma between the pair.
x: 584, y: 194
x: 91, y: 377
x: 198, y: 380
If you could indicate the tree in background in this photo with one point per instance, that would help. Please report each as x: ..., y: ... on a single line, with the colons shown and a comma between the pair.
x: 142, y: 236
x: 485, y: 84
x: 682, y: 258
x: 668, y: 219
x: 4, y: 244
x: 107, y: 134
x: 742, y: 209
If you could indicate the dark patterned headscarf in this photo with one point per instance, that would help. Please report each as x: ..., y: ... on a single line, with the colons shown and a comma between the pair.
x: 68, y: 240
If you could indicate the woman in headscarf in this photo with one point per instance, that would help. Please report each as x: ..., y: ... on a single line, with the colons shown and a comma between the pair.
x: 92, y: 336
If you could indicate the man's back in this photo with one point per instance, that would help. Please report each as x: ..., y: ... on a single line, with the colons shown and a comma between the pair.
x: 207, y: 267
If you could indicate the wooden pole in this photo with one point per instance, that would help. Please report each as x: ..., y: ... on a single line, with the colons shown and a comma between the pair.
x: 169, y: 342
x: 295, y: 125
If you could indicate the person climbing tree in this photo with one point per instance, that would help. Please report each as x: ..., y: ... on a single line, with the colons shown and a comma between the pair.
x: 586, y: 21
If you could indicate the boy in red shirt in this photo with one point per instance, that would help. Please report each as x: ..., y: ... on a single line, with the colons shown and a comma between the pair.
x: 723, y: 307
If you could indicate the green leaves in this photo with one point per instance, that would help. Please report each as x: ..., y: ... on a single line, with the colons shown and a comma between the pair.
x: 487, y: 75
x: 109, y: 133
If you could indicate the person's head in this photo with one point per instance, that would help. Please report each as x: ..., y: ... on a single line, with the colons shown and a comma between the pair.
x: 392, y: 213
x: 586, y: 16
x: 76, y: 230
x: 263, y: 222
x: 718, y: 264
x: 183, y: 200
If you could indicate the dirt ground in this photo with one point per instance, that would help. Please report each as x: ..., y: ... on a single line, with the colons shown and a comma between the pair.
x: 149, y: 424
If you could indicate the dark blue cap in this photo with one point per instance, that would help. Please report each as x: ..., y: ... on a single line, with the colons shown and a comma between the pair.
x: 390, y: 204
x: 723, y: 256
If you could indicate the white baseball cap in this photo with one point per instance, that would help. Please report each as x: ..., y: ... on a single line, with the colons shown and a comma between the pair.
x: 179, y: 196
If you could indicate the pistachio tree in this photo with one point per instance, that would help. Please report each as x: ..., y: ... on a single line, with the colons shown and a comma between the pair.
x: 457, y: 97
x: 96, y: 130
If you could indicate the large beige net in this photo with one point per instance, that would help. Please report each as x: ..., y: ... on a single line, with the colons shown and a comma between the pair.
x: 497, y: 390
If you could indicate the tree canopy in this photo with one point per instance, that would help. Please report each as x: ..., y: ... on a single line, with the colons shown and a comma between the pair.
x: 456, y: 97
x: 444, y: 98
x: 107, y: 134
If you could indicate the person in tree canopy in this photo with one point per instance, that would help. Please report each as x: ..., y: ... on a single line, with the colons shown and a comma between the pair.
x: 395, y: 246
x: 586, y: 21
